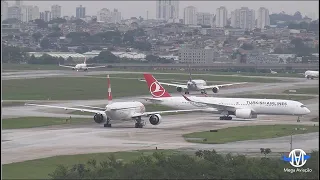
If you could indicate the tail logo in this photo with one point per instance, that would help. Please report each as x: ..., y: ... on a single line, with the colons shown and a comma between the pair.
x: 156, y: 90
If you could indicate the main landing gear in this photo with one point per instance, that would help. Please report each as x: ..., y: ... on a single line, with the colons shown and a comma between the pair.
x: 187, y: 92
x: 203, y: 92
x: 225, y: 118
x: 139, y: 123
x: 107, y: 124
x: 298, y: 120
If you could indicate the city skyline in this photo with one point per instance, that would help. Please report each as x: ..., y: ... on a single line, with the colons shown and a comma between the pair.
x: 307, y: 8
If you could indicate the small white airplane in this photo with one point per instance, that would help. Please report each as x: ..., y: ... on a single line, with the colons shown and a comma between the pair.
x: 133, y: 110
x: 244, y: 108
x: 83, y: 66
x: 311, y: 74
x: 197, y: 85
x: 273, y: 72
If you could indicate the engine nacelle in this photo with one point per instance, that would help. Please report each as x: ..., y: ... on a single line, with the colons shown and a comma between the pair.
x: 215, y: 89
x: 179, y: 89
x: 244, y: 114
x: 100, y: 118
x: 155, y: 119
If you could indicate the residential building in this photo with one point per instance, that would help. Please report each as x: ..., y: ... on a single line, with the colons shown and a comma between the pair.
x: 167, y: 9
x: 80, y: 12
x: 4, y: 10
x: 190, y: 15
x: 35, y: 13
x: 243, y: 18
x: 14, y: 12
x: 55, y: 11
x: 46, y: 16
x: 263, y: 18
x: 204, y: 19
x: 221, y: 17
x: 18, y: 3
x: 105, y: 15
x: 194, y: 54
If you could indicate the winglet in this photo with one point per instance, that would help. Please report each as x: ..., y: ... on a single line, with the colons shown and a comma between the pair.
x: 109, y: 90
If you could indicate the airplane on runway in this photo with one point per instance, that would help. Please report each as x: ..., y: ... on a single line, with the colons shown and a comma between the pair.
x: 311, y: 74
x: 197, y: 85
x: 133, y: 110
x: 273, y: 72
x: 244, y: 108
x: 83, y: 66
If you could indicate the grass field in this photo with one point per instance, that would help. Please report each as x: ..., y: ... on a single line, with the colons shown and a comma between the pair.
x: 14, y: 67
x: 207, y: 77
x: 12, y: 103
x: 70, y: 88
x: 273, y: 96
x: 30, y: 122
x: 311, y: 90
x: 248, y: 133
x: 40, y: 168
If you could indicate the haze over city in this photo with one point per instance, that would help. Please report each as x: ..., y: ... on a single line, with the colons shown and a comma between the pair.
x: 139, y: 8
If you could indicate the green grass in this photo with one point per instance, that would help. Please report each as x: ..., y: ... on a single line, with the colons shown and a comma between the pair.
x: 310, y: 90
x: 40, y: 168
x: 12, y: 103
x: 71, y: 88
x: 30, y: 122
x: 242, y: 133
x: 207, y: 77
x: 6, y: 66
x: 273, y: 96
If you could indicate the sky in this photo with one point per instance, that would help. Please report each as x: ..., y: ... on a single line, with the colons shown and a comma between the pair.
x: 139, y: 8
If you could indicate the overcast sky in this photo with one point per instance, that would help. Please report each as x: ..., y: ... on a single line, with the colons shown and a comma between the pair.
x: 139, y: 8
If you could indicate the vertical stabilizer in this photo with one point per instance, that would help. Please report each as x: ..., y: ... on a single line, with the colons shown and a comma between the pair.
x: 85, y: 60
x: 190, y: 79
x: 109, y: 91
x: 155, y: 88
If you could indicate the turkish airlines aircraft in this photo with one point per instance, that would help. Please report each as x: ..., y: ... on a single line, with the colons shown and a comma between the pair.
x: 82, y: 66
x: 273, y: 72
x: 244, y: 108
x: 311, y: 74
x: 133, y: 110
x: 197, y: 85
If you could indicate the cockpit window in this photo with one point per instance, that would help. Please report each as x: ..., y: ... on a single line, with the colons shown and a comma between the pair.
x: 303, y: 106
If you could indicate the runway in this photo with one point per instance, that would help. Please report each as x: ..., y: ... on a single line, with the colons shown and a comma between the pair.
x: 27, y: 144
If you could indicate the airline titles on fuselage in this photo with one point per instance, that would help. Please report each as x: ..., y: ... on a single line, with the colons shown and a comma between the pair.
x: 267, y: 103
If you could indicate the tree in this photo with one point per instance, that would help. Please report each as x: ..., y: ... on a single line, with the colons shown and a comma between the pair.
x: 11, y: 54
x: 247, y: 46
x: 265, y: 151
x: 152, y: 58
x: 45, y: 43
x: 278, y: 50
x: 69, y: 59
x: 37, y: 36
x: 105, y: 57
x: 41, y: 23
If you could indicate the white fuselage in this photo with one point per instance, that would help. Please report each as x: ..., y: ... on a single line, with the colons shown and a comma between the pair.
x: 81, y: 67
x: 311, y: 74
x: 196, y: 84
x: 124, y: 110
x: 258, y: 106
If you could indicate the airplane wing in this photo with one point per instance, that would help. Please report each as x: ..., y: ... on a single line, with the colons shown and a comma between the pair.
x: 222, y: 85
x: 213, y: 105
x: 93, y: 107
x: 169, y: 84
x: 67, y: 108
x: 152, y: 100
x: 66, y: 66
x: 96, y: 67
x: 162, y: 112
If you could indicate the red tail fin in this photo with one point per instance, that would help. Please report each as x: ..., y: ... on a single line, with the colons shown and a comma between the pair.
x: 109, y: 90
x: 155, y: 87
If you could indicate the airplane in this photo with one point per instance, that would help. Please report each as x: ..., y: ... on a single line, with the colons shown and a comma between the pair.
x: 197, y: 85
x: 83, y: 66
x: 244, y: 108
x: 273, y: 72
x: 133, y: 110
x: 311, y: 74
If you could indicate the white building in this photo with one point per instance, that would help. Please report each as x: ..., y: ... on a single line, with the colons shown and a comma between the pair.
x: 24, y: 10
x: 167, y: 9
x: 221, y: 17
x: 14, y: 12
x: 243, y: 18
x: 195, y: 55
x: 4, y: 10
x: 263, y: 18
x: 204, y: 19
x: 18, y: 3
x: 55, y: 11
x: 46, y: 16
x: 190, y: 15
x: 35, y: 13
x: 105, y: 15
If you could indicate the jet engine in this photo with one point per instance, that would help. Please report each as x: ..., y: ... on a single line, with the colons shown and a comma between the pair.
x: 245, y: 114
x: 215, y: 89
x: 100, y: 118
x: 179, y: 89
x: 155, y: 119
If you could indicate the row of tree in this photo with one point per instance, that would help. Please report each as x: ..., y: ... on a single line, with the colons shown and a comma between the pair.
x: 204, y: 165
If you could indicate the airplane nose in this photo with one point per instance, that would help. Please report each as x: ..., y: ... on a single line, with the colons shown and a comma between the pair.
x: 307, y: 111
